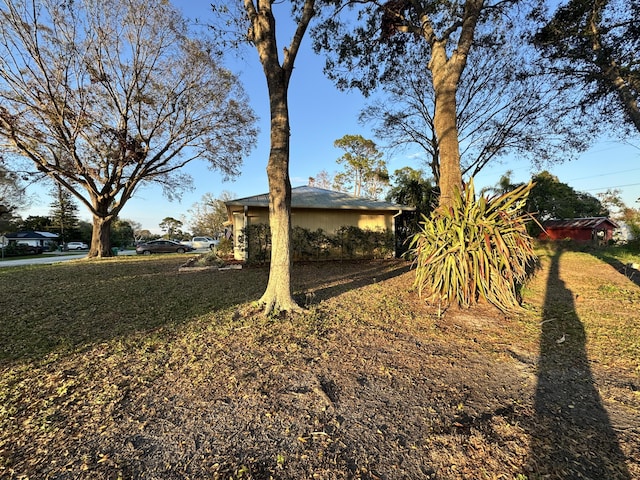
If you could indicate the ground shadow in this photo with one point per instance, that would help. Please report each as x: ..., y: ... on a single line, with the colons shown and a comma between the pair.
x: 572, y: 436
x: 626, y: 270
x: 69, y: 306
x: 333, y: 278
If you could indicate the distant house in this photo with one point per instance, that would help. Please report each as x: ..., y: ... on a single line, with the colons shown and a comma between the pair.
x: 45, y: 240
x: 597, y: 230
x: 315, y: 208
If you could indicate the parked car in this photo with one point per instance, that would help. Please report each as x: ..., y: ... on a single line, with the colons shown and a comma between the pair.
x: 203, y: 242
x: 77, y: 246
x: 162, y: 246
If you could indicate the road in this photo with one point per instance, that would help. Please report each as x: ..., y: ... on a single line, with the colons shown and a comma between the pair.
x: 50, y: 257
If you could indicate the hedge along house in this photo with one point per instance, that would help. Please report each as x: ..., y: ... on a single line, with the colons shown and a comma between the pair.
x: 597, y: 230
x: 316, y: 209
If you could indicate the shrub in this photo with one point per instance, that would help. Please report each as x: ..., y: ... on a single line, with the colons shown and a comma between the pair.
x: 257, y: 241
x: 477, y: 248
x: 347, y: 242
x: 225, y: 247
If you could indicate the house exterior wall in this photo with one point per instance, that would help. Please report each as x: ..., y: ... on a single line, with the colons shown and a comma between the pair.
x: 312, y: 219
x: 331, y: 220
x: 579, y: 235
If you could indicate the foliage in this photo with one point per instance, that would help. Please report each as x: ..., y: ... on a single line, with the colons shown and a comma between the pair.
x: 11, y: 195
x: 596, y: 44
x: 552, y: 199
x: 63, y: 214
x: 619, y: 211
x: 506, y: 106
x: 411, y: 188
x: 477, y: 248
x: 364, y: 169
x: 355, y: 242
x: 14, y: 249
x: 348, y: 242
x: 207, y: 259
x: 225, y: 247
x: 306, y: 244
x: 107, y: 96
x: 256, y: 240
x: 40, y: 223
x: 369, y: 42
x: 208, y: 216
x: 172, y: 227
x: 121, y: 233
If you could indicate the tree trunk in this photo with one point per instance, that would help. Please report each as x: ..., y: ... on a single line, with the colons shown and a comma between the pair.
x: 445, y: 80
x: 277, y: 296
x: 611, y: 69
x: 100, y: 238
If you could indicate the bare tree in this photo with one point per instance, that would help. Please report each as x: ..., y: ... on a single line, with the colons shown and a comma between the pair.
x: 208, y: 216
x: 105, y: 95
x: 12, y: 193
x: 322, y: 180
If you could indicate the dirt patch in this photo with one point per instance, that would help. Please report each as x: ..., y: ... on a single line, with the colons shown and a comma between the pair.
x: 370, y: 384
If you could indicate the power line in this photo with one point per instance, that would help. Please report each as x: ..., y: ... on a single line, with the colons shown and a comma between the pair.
x: 604, y: 174
x: 614, y: 186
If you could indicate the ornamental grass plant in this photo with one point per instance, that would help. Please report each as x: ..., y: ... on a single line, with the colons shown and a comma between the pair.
x: 478, y: 248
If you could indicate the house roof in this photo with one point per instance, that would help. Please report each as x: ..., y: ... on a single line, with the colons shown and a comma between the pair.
x: 31, y: 235
x: 589, y: 223
x: 313, y: 197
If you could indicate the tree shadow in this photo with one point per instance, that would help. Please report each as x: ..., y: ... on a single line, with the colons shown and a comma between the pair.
x: 572, y: 436
x: 626, y: 270
x: 334, y: 278
x: 71, y: 306
x: 68, y: 307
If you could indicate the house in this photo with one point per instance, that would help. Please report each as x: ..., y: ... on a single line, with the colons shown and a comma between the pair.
x: 44, y: 240
x: 312, y: 209
x: 598, y: 230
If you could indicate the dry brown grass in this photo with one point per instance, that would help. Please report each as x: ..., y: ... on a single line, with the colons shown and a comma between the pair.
x: 128, y: 369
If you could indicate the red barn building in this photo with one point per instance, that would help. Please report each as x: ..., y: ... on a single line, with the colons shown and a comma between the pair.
x: 592, y: 229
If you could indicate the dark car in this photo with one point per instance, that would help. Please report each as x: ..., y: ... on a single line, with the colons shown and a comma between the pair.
x: 162, y: 246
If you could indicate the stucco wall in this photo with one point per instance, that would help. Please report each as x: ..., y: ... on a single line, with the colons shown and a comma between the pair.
x: 313, y: 219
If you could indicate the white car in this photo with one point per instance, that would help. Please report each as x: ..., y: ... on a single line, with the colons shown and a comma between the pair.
x: 77, y: 246
x: 203, y: 242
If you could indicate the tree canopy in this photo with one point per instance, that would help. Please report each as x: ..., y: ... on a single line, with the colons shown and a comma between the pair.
x: 506, y: 107
x: 374, y: 42
x: 104, y: 96
x: 551, y: 199
x: 364, y: 170
x: 410, y: 187
x: 172, y: 227
x: 596, y: 44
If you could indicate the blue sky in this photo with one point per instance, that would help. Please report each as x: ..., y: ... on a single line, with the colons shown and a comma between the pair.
x: 320, y: 114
